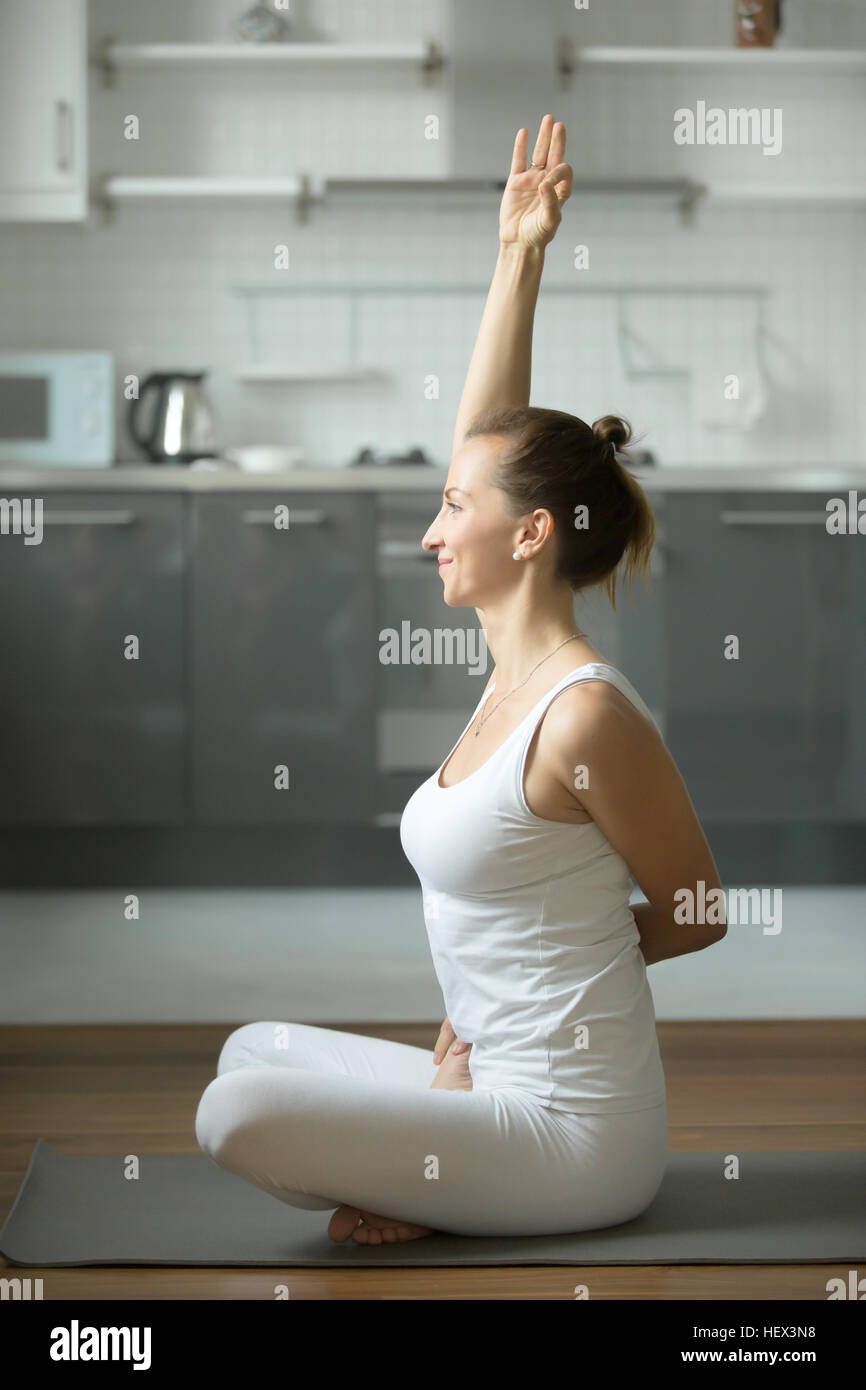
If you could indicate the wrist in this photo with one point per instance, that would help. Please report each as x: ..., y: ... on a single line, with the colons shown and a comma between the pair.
x: 521, y: 253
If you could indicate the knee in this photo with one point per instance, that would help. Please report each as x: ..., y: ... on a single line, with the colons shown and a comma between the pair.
x: 210, y: 1118
x: 251, y: 1043
x: 226, y: 1113
x: 237, y: 1046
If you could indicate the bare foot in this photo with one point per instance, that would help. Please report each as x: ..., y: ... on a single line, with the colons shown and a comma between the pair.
x: 453, y: 1073
x: 376, y: 1230
x: 365, y: 1227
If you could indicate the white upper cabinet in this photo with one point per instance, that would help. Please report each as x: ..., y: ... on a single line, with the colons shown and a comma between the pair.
x: 43, y: 110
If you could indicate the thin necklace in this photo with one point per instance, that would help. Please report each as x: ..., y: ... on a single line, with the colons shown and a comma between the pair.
x: 486, y: 716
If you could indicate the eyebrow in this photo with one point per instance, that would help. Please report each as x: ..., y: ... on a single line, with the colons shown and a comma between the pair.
x: 456, y: 489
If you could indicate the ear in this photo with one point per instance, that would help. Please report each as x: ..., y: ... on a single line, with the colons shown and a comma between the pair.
x: 541, y: 525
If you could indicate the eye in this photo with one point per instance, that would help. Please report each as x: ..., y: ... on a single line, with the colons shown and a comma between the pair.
x: 453, y: 507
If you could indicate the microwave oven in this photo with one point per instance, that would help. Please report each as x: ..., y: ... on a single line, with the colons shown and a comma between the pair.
x: 57, y: 409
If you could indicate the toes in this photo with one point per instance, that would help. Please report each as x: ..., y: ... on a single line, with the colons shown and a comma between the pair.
x: 368, y: 1228
x: 343, y: 1223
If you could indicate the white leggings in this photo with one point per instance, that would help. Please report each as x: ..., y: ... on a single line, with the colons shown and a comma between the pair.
x: 319, y: 1118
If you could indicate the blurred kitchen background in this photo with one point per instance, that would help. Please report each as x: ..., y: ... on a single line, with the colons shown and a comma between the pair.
x: 278, y: 228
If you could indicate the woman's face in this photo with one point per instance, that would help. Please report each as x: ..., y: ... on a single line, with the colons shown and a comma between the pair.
x: 474, y: 534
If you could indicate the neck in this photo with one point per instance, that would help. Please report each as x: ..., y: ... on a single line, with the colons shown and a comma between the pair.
x: 524, y: 629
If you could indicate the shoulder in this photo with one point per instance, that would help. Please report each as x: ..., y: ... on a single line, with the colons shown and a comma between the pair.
x: 631, y: 787
x: 593, y: 720
x: 594, y: 707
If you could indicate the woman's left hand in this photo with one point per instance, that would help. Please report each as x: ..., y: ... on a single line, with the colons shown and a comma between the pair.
x: 531, y: 208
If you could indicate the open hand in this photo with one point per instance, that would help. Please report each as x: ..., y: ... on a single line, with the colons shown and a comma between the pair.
x: 531, y: 208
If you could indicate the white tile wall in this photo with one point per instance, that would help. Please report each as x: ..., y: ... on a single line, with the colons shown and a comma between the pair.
x: 154, y: 286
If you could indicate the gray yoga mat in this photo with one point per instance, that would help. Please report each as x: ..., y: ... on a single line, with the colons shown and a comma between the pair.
x: 796, y: 1207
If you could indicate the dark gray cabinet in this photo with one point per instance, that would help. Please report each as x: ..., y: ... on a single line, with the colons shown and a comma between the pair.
x: 283, y: 658
x: 776, y: 733
x: 260, y: 648
x: 422, y: 704
x: 87, y: 736
x: 852, y: 781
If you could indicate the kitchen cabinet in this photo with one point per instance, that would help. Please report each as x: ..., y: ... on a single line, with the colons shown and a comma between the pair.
x: 772, y: 735
x: 422, y: 706
x: 283, y: 658
x: 260, y: 648
x: 43, y: 110
x: 89, y: 737
x: 852, y: 784
x: 432, y: 696
x: 632, y: 637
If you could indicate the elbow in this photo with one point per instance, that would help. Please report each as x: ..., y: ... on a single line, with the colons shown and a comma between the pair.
x: 718, y: 934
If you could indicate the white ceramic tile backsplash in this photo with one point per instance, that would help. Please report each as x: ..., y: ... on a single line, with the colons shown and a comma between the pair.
x: 154, y: 286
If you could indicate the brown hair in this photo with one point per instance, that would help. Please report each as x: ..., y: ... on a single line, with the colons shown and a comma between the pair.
x: 556, y: 461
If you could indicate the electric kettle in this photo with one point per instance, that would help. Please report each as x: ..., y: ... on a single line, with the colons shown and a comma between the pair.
x: 181, y: 425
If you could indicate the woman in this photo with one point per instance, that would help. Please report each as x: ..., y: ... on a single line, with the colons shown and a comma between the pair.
x: 543, y: 1107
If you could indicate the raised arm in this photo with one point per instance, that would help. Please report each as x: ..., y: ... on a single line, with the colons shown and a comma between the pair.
x: 531, y: 210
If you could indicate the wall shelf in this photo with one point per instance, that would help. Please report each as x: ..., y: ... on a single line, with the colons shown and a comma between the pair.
x: 114, y: 189
x: 272, y: 371
x: 744, y: 193
x: 763, y: 60
x: 685, y: 191
x: 110, y: 55
x: 202, y: 186
x: 307, y: 190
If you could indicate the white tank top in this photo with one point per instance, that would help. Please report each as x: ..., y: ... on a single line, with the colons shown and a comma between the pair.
x: 532, y: 937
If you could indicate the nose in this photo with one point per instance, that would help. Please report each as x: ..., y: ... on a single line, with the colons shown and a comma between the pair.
x: 431, y: 539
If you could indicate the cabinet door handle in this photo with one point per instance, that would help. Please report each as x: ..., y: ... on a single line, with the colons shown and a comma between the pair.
x: 89, y: 519
x: 311, y: 516
x: 63, y: 135
x: 403, y: 550
x: 774, y: 518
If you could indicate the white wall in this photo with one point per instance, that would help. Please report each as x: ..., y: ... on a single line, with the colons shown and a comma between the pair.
x: 154, y: 285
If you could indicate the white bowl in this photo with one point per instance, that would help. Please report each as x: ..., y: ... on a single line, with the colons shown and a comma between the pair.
x: 266, y: 458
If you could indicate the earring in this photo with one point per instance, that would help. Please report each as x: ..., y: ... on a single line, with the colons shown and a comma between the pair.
x: 516, y: 555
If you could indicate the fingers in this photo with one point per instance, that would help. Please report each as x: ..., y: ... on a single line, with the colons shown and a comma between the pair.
x: 542, y: 144
x: 444, y: 1041
x: 560, y: 178
x: 551, y: 213
x: 518, y: 158
x: 557, y: 146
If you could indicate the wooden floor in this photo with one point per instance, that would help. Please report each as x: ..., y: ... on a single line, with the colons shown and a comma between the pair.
x: 731, y: 1086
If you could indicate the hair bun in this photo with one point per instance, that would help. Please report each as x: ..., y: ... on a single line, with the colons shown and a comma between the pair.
x: 612, y: 430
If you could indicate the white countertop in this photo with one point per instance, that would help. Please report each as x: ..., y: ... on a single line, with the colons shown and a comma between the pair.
x: 139, y: 477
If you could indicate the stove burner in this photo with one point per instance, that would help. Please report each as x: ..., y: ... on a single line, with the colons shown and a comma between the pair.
x: 368, y: 457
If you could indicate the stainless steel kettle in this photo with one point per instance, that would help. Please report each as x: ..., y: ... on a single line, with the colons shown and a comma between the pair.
x: 181, y: 426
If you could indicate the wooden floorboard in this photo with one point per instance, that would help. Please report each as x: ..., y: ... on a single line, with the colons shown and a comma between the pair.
x: 732, y: 1086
